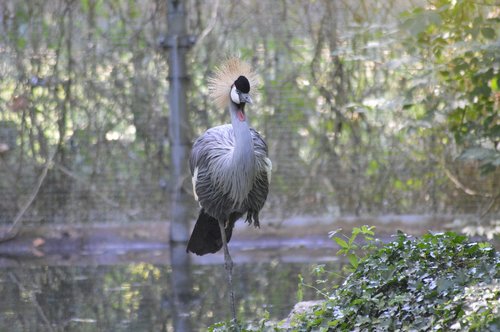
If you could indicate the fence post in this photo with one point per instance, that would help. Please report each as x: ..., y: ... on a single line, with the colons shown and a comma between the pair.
x: 178, y: 43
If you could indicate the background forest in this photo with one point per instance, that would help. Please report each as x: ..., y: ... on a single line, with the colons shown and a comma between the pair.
x: 368, y: 107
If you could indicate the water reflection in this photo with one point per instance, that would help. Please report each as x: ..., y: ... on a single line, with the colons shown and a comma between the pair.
x: 182, y: 287
x: 142, y: 296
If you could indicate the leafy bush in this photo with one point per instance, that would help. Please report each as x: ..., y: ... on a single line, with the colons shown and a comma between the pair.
x: 428, y: 284
x: 440, y: 282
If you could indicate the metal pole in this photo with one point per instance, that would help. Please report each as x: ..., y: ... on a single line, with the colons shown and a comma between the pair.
x: 177, y: 43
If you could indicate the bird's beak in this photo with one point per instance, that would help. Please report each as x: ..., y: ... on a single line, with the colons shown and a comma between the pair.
x: 245, y: 98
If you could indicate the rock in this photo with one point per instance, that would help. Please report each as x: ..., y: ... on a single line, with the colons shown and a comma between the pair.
x: 299, y: 308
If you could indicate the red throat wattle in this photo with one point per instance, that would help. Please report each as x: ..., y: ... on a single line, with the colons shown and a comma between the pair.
x: 241, y: 116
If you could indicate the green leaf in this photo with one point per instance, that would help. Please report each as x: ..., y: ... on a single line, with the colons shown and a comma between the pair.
x: 494, y: 84
x: 477, y: 153
x: 367, y: 230
x: 300, y: 291
x: 353, y: 259
x: 488, y: 33
x: 419, y: 22
x: 341, y: 242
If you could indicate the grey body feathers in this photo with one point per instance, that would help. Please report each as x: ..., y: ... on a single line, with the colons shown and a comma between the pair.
x: 226, y: 189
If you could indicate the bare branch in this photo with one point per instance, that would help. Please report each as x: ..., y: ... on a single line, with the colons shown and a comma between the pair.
x: 33, y: 300
x: 463, y: 187
x: 16, y: 224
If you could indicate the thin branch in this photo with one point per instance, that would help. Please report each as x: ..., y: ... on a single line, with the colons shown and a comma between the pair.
x: 210, y: 26
x: 33, y: 300
x: 92, y: 188
x: 13, y: 230
x: 16, y: 224
x: 464, y: 188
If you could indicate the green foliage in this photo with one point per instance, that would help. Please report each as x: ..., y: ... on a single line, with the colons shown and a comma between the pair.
x: 355, y: 250
x: 459, y: 42
x: 419, y: 284
x: 300, y: 290
x: 350, y: 248
x: 439, y: 282
x: 350, y: 119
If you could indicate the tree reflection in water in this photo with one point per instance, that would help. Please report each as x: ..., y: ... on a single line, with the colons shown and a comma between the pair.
x: 142, y: 296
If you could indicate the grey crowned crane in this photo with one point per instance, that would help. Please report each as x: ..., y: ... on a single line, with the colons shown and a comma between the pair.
x: 230, y: 167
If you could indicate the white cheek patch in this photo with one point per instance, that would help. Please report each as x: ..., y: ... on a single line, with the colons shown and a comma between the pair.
x: 235, y: 97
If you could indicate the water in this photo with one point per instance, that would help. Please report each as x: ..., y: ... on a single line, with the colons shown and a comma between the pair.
x: 126, y: 278
x: 141, y: 293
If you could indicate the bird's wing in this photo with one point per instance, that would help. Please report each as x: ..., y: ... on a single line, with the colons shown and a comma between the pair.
x: 203, y: 146
x: 258, y: 195
x: 260, y: 189
x: 195, y: 154
x: 208, y: 153
x: 258, y: 141
x: 264, y: 164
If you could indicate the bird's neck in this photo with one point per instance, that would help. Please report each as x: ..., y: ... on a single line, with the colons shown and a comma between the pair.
x: 243, y: 138
x: 243, y: 159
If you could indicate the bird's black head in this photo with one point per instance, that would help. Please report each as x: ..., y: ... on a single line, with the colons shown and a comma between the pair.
x: 240, y: 91
x: 242, y: 84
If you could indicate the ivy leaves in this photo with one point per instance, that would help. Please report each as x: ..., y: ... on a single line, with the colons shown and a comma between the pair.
x: 423, y: 284
x: 440, y: 282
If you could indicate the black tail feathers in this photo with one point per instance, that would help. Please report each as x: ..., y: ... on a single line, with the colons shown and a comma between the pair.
x: 206, y: 237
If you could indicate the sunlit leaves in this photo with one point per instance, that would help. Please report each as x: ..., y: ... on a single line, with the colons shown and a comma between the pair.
x: 420, y: 20
x: 460, y: 36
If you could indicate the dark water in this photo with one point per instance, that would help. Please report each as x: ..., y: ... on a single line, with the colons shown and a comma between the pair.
x: 185, y: 295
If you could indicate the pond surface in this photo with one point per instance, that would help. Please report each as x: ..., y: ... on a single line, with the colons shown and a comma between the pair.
x: 126, y: 278
x: 140, y: 293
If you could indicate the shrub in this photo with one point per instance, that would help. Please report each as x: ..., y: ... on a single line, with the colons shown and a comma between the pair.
x: 438, y: 282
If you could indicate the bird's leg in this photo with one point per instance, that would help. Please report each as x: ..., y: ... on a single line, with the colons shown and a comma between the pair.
x: 228, y: 264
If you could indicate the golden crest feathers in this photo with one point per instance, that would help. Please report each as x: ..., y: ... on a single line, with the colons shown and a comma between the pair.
x: 219, y: 85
